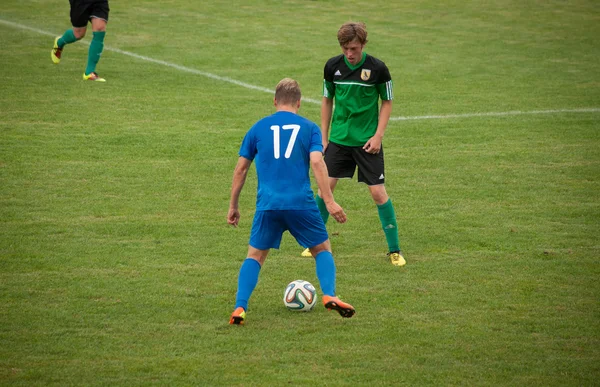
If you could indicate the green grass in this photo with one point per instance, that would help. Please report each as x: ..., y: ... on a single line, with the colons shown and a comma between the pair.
x: 117, y: 266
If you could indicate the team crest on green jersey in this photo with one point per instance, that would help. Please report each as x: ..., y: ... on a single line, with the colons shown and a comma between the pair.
x: 365, y: 74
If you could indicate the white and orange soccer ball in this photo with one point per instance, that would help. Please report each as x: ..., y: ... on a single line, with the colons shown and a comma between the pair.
x: 300, y: 296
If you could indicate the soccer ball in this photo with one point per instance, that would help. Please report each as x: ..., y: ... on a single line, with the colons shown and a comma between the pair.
x: 300, y: 296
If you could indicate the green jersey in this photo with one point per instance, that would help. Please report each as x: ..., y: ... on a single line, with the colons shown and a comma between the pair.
x: 356, y: 90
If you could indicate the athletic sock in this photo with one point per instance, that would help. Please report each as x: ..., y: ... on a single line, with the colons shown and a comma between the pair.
x: 247, y: 281
x: 95, y: 51
x: 68, y: 37
x: 322, y: 209
x: 387, y: 216
x: 326, y: 272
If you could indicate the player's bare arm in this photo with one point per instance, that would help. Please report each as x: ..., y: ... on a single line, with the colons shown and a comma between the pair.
x: 239, y: 179
x: 374, y: 143
x: 326, y: 111
x: 321, y: 176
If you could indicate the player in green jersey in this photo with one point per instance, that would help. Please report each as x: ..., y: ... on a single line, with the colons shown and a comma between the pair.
x: 353, y: 132
x: 82, y: 11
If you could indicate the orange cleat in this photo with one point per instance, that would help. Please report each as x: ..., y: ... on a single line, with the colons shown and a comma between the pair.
x: 334, y: 303
x: 238, y: 317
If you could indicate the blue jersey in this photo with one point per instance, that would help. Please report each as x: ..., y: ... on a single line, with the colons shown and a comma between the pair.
x: 280, y: 145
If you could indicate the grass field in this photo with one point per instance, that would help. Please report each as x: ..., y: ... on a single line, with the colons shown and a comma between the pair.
x: 117, y: 266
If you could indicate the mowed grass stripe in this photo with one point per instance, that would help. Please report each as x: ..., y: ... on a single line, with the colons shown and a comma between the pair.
x: 310, y: 100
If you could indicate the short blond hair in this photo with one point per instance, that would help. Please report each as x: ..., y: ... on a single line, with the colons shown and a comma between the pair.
x: 287, y: 92
x: 350, y: 31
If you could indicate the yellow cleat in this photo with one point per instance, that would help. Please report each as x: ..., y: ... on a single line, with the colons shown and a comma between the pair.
x: 238, y: 317
x: 93, y: 76
x: 306, y: 253
x: 396, y: 258
x: 56, y: 52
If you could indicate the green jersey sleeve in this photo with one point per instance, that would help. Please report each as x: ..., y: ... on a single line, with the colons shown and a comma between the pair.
x: 386, y: 90
x: 328, y: 85
x: 328, y: 89
x: 385, y: 86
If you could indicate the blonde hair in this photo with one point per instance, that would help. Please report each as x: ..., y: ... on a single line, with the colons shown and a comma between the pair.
x: 350, y: 31
x: 287, y: 92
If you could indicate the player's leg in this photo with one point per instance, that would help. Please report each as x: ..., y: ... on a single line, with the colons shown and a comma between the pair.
x: 389, y: 223
x: 247, y: 280
x: 371, y: 172
x: 266, y: 234
x: 326, y: 273
x: 340, y: 165
x: 79, y: 19
x: 325, y: 267
x: 96, y: 47
x: 322, y: 211
x: 309, y: 230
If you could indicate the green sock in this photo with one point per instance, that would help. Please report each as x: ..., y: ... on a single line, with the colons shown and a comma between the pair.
x: 95, y: 51
x: 387, y: 216
x: 322, y: 209
x: 68, y: 37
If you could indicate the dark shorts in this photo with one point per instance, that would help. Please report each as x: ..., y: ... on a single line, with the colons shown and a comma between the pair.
x: 342, y: 161
x: 305, y: 225
x: 84, y: 10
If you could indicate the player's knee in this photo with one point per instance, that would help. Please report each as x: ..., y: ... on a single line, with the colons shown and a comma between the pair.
x: 325, y: 246
x: 79, y: 33
x: 257, y: 254
x: 380, y: 199
x: 379, y: 194
x: 98, y: 25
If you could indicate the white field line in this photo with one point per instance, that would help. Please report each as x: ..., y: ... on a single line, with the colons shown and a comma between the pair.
x: 497, y: 114
x: 158, y: 61
x: 314, y: 101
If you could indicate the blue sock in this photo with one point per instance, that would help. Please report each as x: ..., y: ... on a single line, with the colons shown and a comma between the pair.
x: 247, y: 281
x: 326, y: 272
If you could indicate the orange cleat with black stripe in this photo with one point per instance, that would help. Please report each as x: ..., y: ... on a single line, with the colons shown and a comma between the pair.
x: 334, y: 303
x: 238, y: 317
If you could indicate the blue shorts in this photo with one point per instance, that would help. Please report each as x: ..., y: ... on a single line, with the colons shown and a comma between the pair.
x: 305, y: 225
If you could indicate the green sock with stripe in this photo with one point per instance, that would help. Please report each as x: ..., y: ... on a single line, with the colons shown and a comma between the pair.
x: 68, y: 37
x: 95, y: 51
x: 387, y: 216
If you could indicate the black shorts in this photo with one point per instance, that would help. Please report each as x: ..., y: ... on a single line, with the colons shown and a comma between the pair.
x: 342, y: 162
x: 84, y: 10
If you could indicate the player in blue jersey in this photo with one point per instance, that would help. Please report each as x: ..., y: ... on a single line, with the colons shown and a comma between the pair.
x: 285, y: 146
